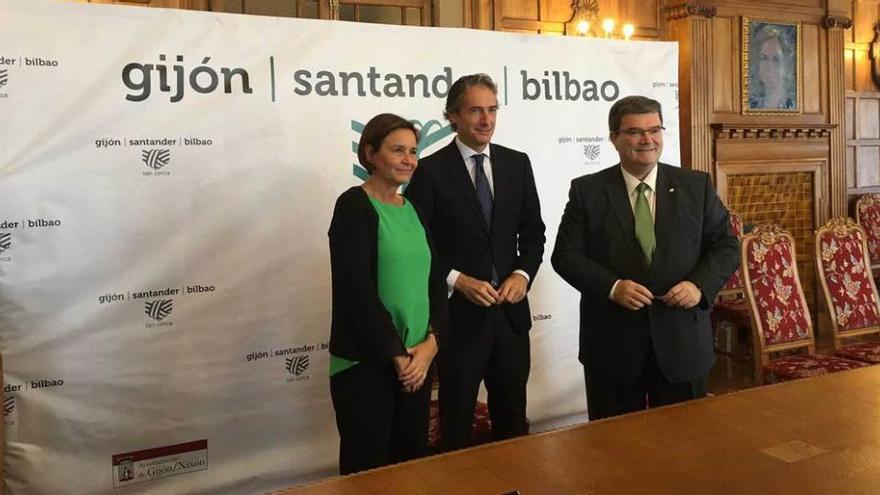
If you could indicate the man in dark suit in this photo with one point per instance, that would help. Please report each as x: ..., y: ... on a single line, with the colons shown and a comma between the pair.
x: 482, y: 208
x: 648, y: 246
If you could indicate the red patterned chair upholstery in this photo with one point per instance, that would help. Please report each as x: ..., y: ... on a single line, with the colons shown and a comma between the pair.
x: 868, y: 216
x: 845, y: 275
x: 730, y: 312
x: 781, y: 321
x: 734, y: 285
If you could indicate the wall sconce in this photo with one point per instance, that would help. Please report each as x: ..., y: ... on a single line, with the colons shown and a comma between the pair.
x: 584, y: 21
x: 608, y: 27
x: 584, y: 18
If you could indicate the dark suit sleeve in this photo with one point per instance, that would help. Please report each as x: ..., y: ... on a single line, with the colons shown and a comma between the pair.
x: 570, y: 256
x: 439, y: 302
x: 354, y: 286
x: 421, y: 190
x: 531, y: 237
x: 719, y: 256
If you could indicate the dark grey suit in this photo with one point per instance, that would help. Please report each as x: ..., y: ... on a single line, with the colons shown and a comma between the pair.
x: 490, y: 343
x: 596, y: 246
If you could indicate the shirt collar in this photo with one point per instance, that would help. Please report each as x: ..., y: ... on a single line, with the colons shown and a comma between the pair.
x: 632, y: 181
x: 467, y: 152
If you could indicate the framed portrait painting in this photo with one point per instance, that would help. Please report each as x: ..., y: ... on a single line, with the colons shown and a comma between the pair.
x: 772, y: 77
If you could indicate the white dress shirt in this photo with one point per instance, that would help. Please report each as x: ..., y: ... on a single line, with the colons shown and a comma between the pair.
x: 467, y: 155
x: 632, y: 182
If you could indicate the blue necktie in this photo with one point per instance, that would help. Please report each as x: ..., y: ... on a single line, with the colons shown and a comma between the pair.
x: 484, y: 197
x: 484, y: 194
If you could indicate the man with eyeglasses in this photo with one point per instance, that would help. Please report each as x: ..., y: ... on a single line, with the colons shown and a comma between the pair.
x: 648, y: 245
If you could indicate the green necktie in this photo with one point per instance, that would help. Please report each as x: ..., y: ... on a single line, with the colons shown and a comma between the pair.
x: 644, y: 223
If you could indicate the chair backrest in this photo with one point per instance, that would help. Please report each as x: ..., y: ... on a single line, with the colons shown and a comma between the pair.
x: 868, y: 216
x: 845, y: 274
x: 780, y: 316
x: 734, y: 285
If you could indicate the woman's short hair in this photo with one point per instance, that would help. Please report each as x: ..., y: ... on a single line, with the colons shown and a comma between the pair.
x: 376, y: 130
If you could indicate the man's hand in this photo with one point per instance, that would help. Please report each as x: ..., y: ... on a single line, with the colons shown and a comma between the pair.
x: 413, y: 376
x: 684, y: 294
x: 476, y: 291
x: 631, y: 295
x: 513, y: 289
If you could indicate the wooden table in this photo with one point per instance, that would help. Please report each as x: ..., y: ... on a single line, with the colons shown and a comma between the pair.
x: 814, y: 436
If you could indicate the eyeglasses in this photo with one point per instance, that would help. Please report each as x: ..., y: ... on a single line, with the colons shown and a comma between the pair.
x: 635, y: 132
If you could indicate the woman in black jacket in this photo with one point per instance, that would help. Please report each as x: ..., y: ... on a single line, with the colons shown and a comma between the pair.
x: 389, y: 306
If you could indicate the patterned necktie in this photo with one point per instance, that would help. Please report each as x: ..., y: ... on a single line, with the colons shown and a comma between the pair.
x: 484, y: 194
x: 484, y: 197
x: 644, y: 223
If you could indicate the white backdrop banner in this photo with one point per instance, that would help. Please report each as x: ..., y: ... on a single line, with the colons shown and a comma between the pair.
x: 166, y: 183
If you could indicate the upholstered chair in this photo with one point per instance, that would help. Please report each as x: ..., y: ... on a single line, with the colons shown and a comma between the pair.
x: 782, y: 328
x: 730, y: 312
x: 844, y: 270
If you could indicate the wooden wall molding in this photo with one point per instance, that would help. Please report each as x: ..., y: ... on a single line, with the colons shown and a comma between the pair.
x: 685, y: 10
x: 815, y: 166
x: 782, y: 132
x: 837, y: 22
x: 837, y: 111
x: 694, y: 36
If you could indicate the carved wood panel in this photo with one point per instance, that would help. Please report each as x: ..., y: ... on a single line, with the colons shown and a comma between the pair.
x: 550, y: 16
x: 862, y: 136
x: 779, y: 192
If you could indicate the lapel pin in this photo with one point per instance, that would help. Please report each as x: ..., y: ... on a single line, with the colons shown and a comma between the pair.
x: 671, y: 189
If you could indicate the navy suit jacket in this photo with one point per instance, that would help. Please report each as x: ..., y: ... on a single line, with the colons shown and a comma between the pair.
x: 445, y: 192
x: 596, y: 245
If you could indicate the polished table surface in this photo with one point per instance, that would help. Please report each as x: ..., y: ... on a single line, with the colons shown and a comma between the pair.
x: 815, y: 436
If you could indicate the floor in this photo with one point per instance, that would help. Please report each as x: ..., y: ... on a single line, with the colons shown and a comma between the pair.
x: 734, y: 370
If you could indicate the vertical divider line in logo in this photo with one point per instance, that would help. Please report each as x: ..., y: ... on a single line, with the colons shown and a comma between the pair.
x: 505, y: 85
x: 272, y: 74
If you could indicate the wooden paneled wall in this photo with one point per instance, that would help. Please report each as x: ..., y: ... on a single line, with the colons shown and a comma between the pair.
x: 786, y: 168
x: 171, y: 4
x: 865, y: 15
x: 862, y: 133
x: 550, y: 16
x: 862, y: 105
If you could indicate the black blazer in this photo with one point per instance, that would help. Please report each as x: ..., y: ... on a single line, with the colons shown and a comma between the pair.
x: 596, y: 246
x: 362, y: 329
x: 442, y: 187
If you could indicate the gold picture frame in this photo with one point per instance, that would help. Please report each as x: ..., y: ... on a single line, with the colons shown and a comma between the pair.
x: 772, y: 67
